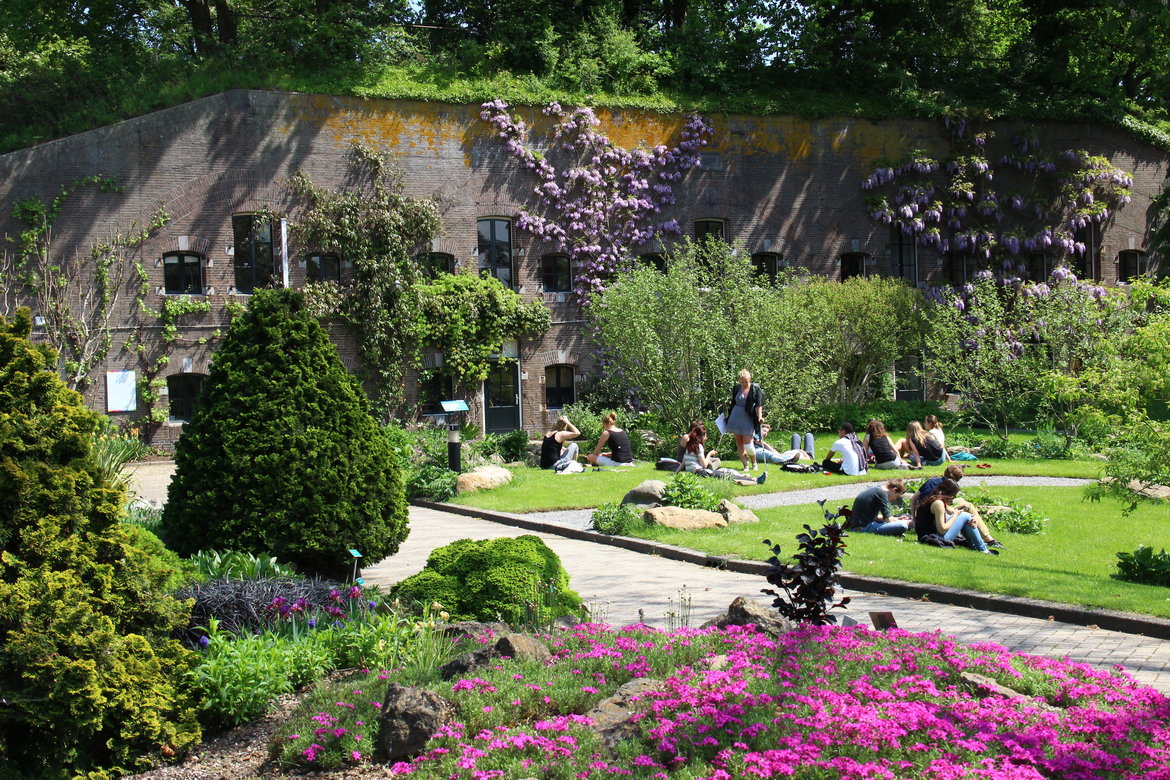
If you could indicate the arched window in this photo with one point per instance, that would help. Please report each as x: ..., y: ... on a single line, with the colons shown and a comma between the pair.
x: 182, y: 273
x: 257, y: 248
x: 556, y: 273
x: 559, y: 390
x: 767, y: 265
x: 495, y: 250
x: 434, y: 263
x: 852, y: 264
x: 1131, y: 263
x: 656, y: 259
x: 710, y: 227
x: 322, y: 268
x: 182, y: 390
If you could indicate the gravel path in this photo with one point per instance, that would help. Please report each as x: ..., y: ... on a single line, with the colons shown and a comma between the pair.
x: 580, y: 519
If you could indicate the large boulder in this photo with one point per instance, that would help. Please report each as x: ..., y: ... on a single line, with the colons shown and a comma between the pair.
x: 482, y: 478
x: 648, y: 493
x: 684, y: 519
x: 733, y: 513
x: 746, y: 612
x: 409, y: 717
x: 614, y: 718
x: 508, y: 646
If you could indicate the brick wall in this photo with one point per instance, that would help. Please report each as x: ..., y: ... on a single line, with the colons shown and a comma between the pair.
x: 780, y: 184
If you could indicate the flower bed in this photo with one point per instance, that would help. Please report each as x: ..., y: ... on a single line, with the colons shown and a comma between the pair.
x: 823, y: 702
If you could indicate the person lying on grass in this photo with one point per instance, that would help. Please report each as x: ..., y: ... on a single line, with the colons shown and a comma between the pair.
x: 956, y: 473
x: 936, y: 515
x: 871, y: 510
x: 703, y: 464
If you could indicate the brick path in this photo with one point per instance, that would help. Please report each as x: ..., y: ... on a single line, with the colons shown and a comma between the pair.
x: 618, y: 583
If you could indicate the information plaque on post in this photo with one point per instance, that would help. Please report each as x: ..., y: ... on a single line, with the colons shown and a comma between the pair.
x: 454, y: 411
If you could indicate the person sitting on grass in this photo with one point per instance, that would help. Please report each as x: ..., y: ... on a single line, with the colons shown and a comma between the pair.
x: 618, y: 441
x: 955, y: 472
x: 849, y: 448
x: 556, y: 448
x: 879, y: 443
x: 919, y: 448
x: 706, y: 464
x: 936, y: 515
x: 871, y: 510
x: 935, y: 430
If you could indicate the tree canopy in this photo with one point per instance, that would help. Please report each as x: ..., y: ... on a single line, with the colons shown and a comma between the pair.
x: 67, y: 66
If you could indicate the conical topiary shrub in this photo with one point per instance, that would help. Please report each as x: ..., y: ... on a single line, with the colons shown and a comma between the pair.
x: 90, y: 681
x: 282, y: 454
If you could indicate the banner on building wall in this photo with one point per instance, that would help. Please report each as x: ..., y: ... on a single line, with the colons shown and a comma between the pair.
x: 121, y: 391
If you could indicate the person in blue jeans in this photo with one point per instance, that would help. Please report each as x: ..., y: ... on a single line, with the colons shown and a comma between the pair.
x: 935, y: 515
x: 871, y: 510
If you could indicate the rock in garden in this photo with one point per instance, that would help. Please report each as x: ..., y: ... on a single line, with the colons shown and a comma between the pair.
x: 648, y: 493
x: 461, y: 665
x: 745, y: 612
x: 733, y: 513
x: 409, y: 717
x: 482, y: 478
x: 684, y: 519
x: 522, y: 646
x: 474, y: 629
x: 613, y: 717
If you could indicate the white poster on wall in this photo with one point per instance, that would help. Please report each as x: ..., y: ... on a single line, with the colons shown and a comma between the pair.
x: 121, y: 391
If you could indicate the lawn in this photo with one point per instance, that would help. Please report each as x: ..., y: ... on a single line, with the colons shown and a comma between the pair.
x: 1070, y: 562
x: 534, y: 490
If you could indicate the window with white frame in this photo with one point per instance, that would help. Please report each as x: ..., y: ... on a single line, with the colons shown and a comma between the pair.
x: 495, y: 250
x: 559, y: 390
x: 183, y: 390
x: 556, y: 274
x: 323, y: 268
x: 257, y: 246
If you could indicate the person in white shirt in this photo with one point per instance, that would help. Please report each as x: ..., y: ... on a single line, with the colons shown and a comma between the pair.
x: 851, y: 451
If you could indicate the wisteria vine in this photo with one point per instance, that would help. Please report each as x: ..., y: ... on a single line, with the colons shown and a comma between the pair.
x: 968, y: 213
x: 603, y: 201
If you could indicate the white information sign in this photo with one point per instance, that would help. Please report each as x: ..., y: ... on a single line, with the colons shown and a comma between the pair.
x: 121, y: 391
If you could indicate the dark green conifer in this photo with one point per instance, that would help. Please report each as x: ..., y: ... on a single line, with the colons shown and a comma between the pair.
x: 89, y: 680
x: 282, y: 454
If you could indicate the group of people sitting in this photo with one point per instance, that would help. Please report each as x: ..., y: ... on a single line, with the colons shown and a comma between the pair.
x: 936, y: 513
x: 559, y: 452
x: 925, y: 444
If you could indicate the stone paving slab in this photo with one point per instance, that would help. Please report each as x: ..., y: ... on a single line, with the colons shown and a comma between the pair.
x: 624, y: 586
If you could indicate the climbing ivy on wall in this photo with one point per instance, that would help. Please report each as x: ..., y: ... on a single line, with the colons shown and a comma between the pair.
x: 75, y: 294
x: 600, y: 201
x: 390, y: 307
x: 469, y: 317
x: 996, y: 207
x: 377, y: 227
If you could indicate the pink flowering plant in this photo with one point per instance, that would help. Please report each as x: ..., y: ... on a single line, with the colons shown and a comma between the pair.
x: 599, y: 201
x: 818, y: 702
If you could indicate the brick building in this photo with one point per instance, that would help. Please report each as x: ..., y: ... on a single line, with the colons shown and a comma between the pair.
x: 786, y: 190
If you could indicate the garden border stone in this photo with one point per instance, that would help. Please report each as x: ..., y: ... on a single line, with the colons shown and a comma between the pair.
x: 1109, y: 620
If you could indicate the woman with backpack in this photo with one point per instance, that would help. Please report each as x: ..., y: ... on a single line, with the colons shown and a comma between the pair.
x: 744, y: 416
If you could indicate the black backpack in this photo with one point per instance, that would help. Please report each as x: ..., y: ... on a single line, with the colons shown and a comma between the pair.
x: 800, y: 468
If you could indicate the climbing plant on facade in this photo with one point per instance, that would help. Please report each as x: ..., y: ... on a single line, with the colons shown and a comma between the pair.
x: 469, y: 317
x: 74, y: 295
x: 599, y: 201
x: 375, y: 226
x: 996, y: 207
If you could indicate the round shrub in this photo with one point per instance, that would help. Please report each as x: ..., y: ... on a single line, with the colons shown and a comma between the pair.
x: 616, y: 519
x: 515, y: 580
x: 687, y: 492
x: 282, y: 455
x: 91, y: 680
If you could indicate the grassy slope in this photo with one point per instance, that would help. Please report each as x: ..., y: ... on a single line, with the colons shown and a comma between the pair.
x: 1070, y: 562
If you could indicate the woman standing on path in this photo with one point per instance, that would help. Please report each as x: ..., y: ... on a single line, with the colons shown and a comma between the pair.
x: 744, y: 415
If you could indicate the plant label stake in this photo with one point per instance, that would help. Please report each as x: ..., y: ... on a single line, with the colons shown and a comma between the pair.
x: 356, y: 557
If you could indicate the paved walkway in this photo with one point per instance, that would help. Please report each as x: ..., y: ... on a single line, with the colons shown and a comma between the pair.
x: 624, y: 586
